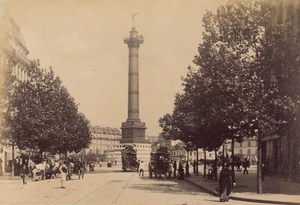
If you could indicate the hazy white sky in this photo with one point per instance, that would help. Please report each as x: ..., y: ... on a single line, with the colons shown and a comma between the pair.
x: 82, y: 40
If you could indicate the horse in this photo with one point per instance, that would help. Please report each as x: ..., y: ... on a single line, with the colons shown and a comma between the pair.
x: 38, y: 170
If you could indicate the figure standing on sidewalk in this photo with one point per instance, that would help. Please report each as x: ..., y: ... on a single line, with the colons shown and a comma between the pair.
x: 180, y: 171
x: 263, y: 171
x: 138, y: 166
x: 81, y: 169
x: 174, y: 168
x: 142, y: 169
x: 226, y: 182
x: 187, y: 168
x: 246, y: 164
x: 23, y: 173
x: 194, y: 166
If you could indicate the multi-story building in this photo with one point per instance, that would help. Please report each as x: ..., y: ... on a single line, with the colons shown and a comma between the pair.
x: 13, y: 55
x: 104, y: 139
x: 282, y: 153
x: 245, y: 149
x: 13, y: 51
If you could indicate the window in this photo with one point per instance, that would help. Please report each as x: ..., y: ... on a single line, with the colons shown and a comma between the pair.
x: 241, y: 144
x: 249, y: 144
x: 249, y: 151
x: 241, y: 151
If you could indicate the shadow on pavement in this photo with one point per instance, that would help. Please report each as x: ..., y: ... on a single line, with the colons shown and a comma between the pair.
x: 166, y: 186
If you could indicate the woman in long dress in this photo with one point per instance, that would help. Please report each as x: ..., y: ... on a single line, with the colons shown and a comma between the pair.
x: 226, y: 182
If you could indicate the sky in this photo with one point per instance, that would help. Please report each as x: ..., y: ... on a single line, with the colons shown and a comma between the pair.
x: 82, y: 40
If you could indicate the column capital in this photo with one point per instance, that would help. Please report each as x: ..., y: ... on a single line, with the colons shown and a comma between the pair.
x: 134, y: 40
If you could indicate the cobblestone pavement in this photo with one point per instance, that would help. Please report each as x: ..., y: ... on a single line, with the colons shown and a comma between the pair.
x: 107, y: 186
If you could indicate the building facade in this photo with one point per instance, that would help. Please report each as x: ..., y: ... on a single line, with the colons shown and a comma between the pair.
x: 13, y: 51
x: 14, y: 56
x: 245, y: 149
x: 281, y: 153
x: 104, y: 139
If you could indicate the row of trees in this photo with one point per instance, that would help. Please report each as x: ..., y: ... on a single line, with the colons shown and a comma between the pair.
x: 39, y: 113
x: 245, y: 84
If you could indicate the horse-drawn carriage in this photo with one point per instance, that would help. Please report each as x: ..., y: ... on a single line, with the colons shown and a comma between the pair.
x: 159, y: 163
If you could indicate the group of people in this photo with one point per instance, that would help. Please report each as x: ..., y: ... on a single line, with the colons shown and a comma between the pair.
x: 48, y: 169
x: 66, y: 170
x: 173, y: 169
x: 183, y: 169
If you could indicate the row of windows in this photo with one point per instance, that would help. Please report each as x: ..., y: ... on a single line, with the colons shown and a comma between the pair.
x: 113, y: 145
x: 106, y: 136
x: 137, y: 146
x: 248, y: 144
x: 249, y: 151
x: 102, y: 147
x: 98, y: 141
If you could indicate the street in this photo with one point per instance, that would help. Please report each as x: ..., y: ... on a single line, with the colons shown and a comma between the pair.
x: 107, y: 186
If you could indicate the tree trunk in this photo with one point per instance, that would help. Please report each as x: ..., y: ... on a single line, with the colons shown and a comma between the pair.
x: 197, y: 156
x: 259, y: 179
x: 223, y: 156
x: 232, y: 155
x: 204, y: 167
x: 13, y: 160
x: 215, y: 168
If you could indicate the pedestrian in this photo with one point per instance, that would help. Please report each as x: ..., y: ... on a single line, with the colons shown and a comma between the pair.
x: 226, y: 182
x: 263, y: 171
x: 194, y: 166
x: 246, y: 164
x: 23, y: 173
x: 142, y: 169
x: 1, y: 169
x: 170, y: 169
x: 174, y: 168
x: 180, y: 171
x: 239, y: 164
x: 63, y: 171
x: 81, y: 169
x: 100, y: 163
x: 138, y: 166
x: 70, y: 166
x: 187, y: 168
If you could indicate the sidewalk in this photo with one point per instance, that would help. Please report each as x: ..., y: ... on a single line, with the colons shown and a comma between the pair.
x: 275, y: 190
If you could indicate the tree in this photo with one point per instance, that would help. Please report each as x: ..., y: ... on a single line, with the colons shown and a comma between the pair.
x: 239, y: 89
x: 46, y: 117
x: 235, y: 59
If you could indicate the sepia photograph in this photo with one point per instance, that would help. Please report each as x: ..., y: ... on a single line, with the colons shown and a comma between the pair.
x: 142, y: 102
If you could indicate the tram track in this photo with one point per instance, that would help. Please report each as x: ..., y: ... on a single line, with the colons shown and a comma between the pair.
x: 122, y: 190
x: 104, y: 192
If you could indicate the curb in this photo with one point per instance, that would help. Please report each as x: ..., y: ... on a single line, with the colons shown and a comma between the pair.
x: 214, y: 193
